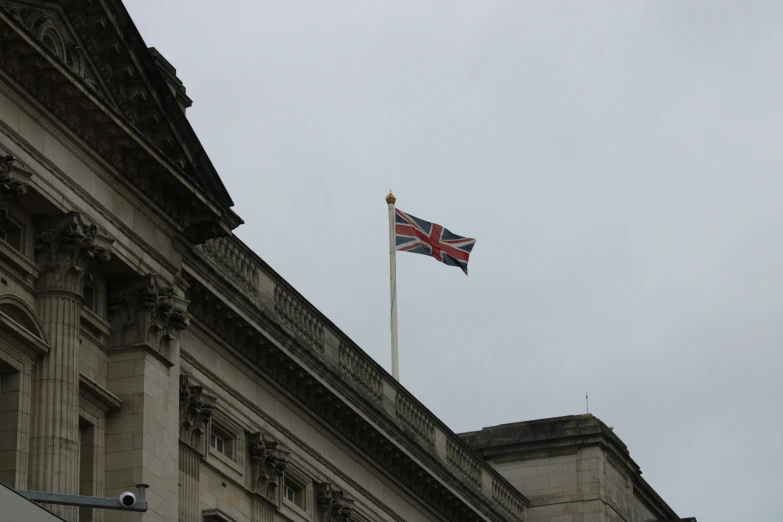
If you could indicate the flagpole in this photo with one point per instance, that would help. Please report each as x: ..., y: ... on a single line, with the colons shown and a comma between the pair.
x: 390, y: 200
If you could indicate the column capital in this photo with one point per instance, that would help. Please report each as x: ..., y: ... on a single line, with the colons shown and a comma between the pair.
x: 336, y: 505
x: 146, y: 311
x: 269, y: 460
x: 11, y: 186
x: 64, y: 245
x: 196, y: 405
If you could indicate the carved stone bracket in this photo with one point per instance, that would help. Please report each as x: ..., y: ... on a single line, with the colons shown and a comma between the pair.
x: 196, y: 405
x: 269, y: 463
x: 10, y: 187
x: 336, y: 505
x: 142, y: 311
x: 64, y: 245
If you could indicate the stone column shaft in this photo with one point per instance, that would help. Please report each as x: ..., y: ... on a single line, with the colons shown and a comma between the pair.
x: 188, y: 484
x: 54, y: 441
x: 64, y: 245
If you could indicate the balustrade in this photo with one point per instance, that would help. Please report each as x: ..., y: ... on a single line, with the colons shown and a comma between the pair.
x: 296, y: 317
x: 360, y: 371
x: 232, y: 262
x: 464, y: 463
x: 508, y: 499
x: 237, y: 265
x: 415, y: 419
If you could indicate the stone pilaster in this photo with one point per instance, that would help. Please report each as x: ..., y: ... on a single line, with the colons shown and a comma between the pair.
x: 196, y: 405
x: 144, y: 312
x: 64, y: 246
x: 142, y: 442
x: 189, y: 463
x: 263, y: 510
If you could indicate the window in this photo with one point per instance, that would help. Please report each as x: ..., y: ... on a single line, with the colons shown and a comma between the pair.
x: 221, y: 441
x: 293, y: 493
x: 11, y: 233
x: 218, y: 443
x: 3, y: 286
x: 90, y: 302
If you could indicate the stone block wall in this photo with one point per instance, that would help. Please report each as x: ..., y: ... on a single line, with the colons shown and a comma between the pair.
x: 562, y: 487
x: 572, y: 469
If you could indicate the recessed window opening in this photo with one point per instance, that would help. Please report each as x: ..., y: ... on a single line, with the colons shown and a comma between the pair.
x: 293, y: 493
x: 218, y: 443
x: 89, y: 297
x: 11, y: 233
x: 221, y: 441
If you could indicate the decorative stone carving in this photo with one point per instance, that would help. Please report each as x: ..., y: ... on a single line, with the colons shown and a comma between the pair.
x: 295, y: 316
x: 414, y: 419
x: 282, y: 369
x: 336, y: 505
x: 269, y: 462
x: 64, y: 245
x: 359, y: 372
x: 196, y: 405
x: 233, y: 263
x: 463, y: 463
x: 49, y: 29
x: 10, y: 188
x: 142, y: 311
x: 508, y: 499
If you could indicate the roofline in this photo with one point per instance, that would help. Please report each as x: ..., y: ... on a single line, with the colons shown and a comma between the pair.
x: 611, y: 440
x: 180, y: 123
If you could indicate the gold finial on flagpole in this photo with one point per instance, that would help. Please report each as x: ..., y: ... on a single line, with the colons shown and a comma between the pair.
x: 390, y: 199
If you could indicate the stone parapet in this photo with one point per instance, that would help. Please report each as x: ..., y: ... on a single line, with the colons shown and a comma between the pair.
x: 569, y: 465
x: 260, y: 314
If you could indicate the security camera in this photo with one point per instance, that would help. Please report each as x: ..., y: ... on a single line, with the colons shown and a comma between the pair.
x: 127, y: 499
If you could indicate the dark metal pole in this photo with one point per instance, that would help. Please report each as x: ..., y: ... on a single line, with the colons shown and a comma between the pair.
x: 96, y: 502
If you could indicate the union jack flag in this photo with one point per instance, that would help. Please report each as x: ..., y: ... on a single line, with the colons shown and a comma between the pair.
x: 422, y: 237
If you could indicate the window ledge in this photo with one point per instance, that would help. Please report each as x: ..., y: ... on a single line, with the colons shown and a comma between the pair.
x: 18, y: 260
x: 296, y: 509
x: 217, y: 515
x: 224, y: 459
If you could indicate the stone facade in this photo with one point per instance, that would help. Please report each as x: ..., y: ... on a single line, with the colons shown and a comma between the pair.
x: 572, y: 469
x: 142, y: 342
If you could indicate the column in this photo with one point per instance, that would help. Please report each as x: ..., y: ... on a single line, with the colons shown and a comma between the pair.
x: 64, y: 246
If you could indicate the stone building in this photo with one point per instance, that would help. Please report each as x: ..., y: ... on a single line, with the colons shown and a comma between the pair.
x: 142, y: 342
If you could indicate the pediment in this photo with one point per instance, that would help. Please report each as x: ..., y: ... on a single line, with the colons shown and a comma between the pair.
x: 21, y: 313
x: 48, y: 25
x: 98, y: 43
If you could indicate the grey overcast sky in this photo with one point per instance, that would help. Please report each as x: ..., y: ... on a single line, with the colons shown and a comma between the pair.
x: 620, y: 164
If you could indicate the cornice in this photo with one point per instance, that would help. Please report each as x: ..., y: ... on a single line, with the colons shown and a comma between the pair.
x: 403, y: 424
x: 403, y: 454
x: 301, y: 446
x: 160, y: 219
x: 33, y: 345
x: 150, y: 167
x: 591, y: 432
x: 97, y: 395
